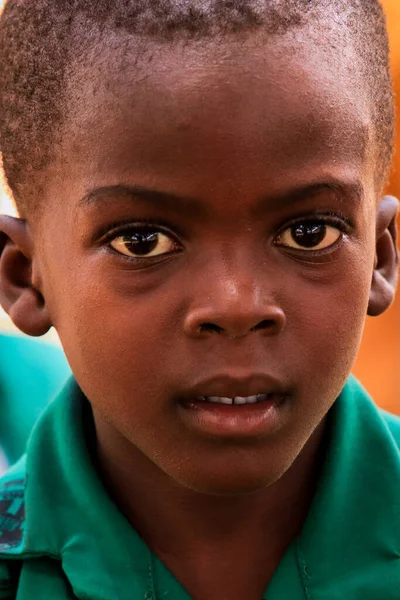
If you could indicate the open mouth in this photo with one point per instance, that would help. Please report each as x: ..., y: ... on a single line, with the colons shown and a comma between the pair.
x: 237, y: 400
x: 232, y: 407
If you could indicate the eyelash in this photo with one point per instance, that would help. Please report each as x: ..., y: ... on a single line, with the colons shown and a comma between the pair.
x: 109, y: 232
x: 335, y: 219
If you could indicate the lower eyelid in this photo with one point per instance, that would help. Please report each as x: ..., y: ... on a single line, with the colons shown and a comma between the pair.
x: 313, y: 255
x: 134, y: 262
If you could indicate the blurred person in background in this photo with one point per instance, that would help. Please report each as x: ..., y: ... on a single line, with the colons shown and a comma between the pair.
x: 31, y: 372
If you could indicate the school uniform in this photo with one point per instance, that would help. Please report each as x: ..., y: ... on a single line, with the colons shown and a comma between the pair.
x: 31, y: 373
x: 61, y: 536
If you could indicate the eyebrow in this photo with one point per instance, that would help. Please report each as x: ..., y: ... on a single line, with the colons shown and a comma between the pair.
x: 342, y: 189
x: 139, y: 193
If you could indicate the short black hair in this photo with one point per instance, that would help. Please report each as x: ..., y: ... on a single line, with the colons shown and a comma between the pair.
x: 39, y: 40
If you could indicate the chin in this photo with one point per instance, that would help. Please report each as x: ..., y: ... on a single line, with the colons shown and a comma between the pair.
x: 229, y: 481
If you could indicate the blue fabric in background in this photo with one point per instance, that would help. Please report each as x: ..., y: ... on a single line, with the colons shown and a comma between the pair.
x: 31, y: 374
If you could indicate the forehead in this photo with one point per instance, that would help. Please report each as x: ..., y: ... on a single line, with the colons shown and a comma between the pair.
x: 216, y: 114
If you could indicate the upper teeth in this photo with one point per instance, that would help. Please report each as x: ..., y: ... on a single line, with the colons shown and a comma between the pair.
x: 235, y: 400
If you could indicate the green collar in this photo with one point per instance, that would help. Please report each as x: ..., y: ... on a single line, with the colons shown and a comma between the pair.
x: 70, y: 515
x: 349, y: 546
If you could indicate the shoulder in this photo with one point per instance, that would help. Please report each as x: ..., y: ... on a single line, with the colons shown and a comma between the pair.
x: 393, y: 424
x: 366, y: 415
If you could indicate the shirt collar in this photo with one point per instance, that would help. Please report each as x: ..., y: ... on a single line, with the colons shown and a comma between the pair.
x: 70, y: 515
x: 350, y: 544
x: 350, y: 541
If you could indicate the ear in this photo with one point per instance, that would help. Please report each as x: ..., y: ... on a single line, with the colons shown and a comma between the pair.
x: 18, y: 296
x: 384, y: 278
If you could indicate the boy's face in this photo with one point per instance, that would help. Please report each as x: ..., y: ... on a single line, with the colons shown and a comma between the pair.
x: 210, y: 231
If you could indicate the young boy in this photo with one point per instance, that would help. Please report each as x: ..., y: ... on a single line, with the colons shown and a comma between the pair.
x: 199, y: 185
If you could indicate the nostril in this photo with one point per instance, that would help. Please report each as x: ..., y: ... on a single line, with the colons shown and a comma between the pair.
x: 210, y: 328
x: 213, y: 328
x: 266, y: 324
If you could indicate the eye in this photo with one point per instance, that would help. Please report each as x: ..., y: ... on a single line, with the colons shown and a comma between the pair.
x: 314, y: 235
x: 144, y: 244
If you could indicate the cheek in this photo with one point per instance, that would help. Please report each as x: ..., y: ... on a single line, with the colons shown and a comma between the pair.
x: 118, y: 343
x: 327, y: 320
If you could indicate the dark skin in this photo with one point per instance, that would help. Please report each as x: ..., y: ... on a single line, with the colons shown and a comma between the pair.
x: 219, y: 151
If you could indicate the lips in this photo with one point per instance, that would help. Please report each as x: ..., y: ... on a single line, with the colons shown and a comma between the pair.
x: 236, y: 408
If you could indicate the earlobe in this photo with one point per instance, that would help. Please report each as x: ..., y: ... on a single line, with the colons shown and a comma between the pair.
x: 384, y: 278
x: 19, y: 298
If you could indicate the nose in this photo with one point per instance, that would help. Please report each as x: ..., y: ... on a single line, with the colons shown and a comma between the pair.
x: 234, y: 307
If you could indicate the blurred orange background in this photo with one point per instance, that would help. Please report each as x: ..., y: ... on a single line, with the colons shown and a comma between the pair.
x: 378, y: 365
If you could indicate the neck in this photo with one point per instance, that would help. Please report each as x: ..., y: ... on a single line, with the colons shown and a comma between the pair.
x: 174, y: 520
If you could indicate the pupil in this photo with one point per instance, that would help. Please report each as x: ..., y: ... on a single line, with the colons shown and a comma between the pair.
x: 308, y: 235
x: 141, y: 243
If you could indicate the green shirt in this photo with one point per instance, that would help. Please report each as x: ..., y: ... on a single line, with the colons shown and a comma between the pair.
x: 31, y: 373
x: 74, y: 543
